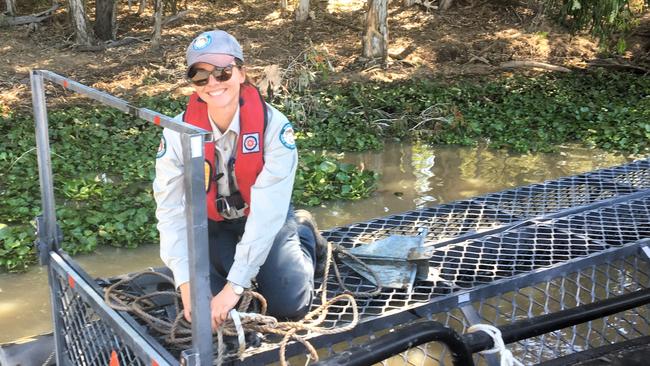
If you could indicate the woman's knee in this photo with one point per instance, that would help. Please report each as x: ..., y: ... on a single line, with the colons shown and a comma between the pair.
x: 289, y: 303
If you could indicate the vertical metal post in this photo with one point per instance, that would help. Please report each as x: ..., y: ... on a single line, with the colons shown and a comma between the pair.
x: 55, y: 303
x: 47, y: 231
x: 44, y: 159
x: 197, y: 241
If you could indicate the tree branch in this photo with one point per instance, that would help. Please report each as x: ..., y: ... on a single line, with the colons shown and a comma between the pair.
x: 28, y: 19
x: 532, y: 64
x: 173, y: 18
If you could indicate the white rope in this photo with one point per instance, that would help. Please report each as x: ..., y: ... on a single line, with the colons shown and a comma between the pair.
x: 507, y: 359
x: 234, y: 315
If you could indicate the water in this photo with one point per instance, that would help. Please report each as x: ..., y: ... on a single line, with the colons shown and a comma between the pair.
x: 413, y: 176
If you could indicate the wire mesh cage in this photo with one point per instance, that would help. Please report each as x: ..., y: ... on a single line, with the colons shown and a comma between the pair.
x: 496, y: 258
x: 586, y: 281
x: 518, y: 263
x: 94, y: 334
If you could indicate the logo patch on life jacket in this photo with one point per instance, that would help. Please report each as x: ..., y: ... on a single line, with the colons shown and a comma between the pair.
x: 287, y: 137
x: 202, y: 42
x: 162, y: 148
x: 250, y: 143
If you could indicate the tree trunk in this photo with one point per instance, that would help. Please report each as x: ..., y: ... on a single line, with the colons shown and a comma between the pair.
x: 446, y: 4
x: 114, y: 20
x: 79, y: 21
x: 11, y: 7
x: 143, y: 4
x: 284, y: 4
x: 302, y: 12
x: 409, y: 3
x: 104, y: 19
x: 375, y: 39
x: 157, y: 24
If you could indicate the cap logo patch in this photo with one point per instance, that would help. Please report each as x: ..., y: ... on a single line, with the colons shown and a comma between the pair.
x: 287, y: 136
x: 202, y: 42
x: 162, y: 148
x: 250, y: 143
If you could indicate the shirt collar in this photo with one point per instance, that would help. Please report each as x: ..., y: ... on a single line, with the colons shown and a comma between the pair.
x: 233, y: 127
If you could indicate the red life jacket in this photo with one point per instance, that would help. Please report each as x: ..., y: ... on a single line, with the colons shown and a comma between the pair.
x: 249, y: 156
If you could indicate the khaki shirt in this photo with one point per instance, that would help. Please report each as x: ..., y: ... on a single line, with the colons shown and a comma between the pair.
x: 270, y: 196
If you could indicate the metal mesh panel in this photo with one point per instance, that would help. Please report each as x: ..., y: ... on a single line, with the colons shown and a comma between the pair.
x: 88, y: 339
x: 502, y: 235
x: 590, y: 284
x: 593, y: 283
x: 468, y: 264
x: 635, y: 174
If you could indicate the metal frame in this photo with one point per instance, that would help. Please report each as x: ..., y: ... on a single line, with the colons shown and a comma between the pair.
x: 192, y: 139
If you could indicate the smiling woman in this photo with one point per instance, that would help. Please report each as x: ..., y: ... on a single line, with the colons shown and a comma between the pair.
x: 251, y: 164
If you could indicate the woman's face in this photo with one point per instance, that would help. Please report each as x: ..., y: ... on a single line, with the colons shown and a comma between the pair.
x: 220, y: 94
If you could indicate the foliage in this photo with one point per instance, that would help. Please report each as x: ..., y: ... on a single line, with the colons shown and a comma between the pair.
x: 320, y: 178
x: 103, y: 165
x: 332, y: 119
x: 604, y: 18
x: 603, y: 109
x: 103, y: 159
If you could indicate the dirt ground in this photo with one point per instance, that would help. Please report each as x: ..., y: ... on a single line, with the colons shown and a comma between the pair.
x: 474, y: 37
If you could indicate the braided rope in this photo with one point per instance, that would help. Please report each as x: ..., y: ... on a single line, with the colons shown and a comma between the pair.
x: 178, y: 332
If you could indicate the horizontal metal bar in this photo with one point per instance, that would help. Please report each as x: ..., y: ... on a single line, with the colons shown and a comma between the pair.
x: 533, y: 327
x: 401, y: 340
x: 115, y: 102
x: 145, y: 347
x: 419, y: 333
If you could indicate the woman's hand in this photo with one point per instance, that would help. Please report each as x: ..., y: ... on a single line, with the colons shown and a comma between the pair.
x: 222, y: 304
x: 187, y: 302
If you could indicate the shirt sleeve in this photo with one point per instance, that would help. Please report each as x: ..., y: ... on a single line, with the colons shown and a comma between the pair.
x: 270, y: 199
x: 169, y: 193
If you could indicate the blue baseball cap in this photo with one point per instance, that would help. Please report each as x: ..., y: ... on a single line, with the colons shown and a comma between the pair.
x: 215, y: 47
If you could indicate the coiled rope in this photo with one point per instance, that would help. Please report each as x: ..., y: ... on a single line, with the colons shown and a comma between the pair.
x: 178, y: 333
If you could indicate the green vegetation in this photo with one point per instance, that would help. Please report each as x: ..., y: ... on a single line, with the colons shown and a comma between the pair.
x: 103, y: 160
x: 609, y: 20
x: 103, y: 164
x: 601, y: 109
x: 320, y: 178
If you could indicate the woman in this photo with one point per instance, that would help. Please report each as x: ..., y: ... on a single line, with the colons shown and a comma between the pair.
x: 250, y: 168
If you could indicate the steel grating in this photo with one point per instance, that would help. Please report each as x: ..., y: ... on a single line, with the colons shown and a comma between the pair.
x: 88, y: 339
x: 498, y: 237
x: 589, y: 284
x: 87, y: 331
x: 605, y: 275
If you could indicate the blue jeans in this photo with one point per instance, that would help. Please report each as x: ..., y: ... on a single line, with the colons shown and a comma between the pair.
x: 286, y: 279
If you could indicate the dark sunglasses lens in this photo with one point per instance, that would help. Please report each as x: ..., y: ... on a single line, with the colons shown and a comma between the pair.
x: 200, y: 77
x: 222, y: 74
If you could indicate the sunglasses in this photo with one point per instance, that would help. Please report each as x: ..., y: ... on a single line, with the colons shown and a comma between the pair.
x: 200, y: 77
